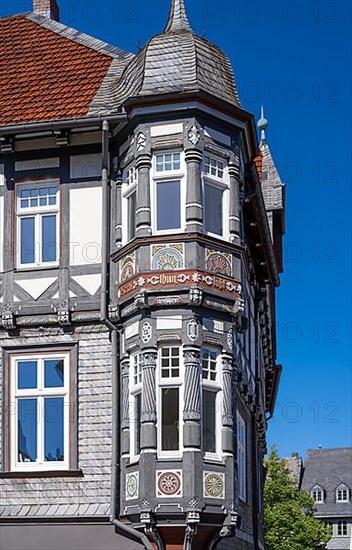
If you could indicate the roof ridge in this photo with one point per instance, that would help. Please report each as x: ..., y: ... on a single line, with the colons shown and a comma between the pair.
x: 77, y: 36
x: 177, y: 20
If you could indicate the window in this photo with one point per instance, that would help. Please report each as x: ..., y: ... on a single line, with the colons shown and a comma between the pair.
x: 136, y: 376
x: 215, y: 197
x: 40, y: 400
x: 213, y: 167
x: 342, y: 494
x: 129, y: 201
x: 167, y: 162
x: 170, y: 399
x: 241, y: 457
x: 342, y: 528
x: 317, y: 494
x: 131, y: 215
x: 211, y: 418
x: 37, y: 207
x: 132, y: 175
x: 168, y: 205
x: 213, y: 209
x: 168, y: 192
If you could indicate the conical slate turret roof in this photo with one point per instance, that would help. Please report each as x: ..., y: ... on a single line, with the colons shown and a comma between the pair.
x: 177, y: 61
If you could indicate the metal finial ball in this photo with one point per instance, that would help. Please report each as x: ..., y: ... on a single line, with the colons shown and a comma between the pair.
x: 263, y: 124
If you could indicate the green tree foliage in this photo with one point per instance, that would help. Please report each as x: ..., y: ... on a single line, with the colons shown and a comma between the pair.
x: 289, y: 513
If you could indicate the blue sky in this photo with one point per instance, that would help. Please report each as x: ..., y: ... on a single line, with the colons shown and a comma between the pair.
x: 294, y: 57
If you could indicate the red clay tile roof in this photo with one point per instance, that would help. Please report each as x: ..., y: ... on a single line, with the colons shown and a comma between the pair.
x: 45, y: 76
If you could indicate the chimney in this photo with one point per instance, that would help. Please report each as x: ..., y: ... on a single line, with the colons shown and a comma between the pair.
x: 47, y: 8
x: 294, y: 455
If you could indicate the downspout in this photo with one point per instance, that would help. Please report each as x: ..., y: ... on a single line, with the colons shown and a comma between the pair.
x: 121, y: 527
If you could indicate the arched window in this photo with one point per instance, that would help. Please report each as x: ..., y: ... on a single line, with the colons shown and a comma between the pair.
x: 342, y: 493
x: 317, y: 493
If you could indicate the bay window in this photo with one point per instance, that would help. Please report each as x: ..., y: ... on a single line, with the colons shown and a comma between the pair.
x: 136, y: 377
x: 37, y: 214
x: 168, y: 203
x: 211, y: 393
x: 39, y: 426
x: 170, y: 399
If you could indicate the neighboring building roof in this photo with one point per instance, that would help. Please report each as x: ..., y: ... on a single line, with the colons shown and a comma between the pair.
x: 328, y: 468
x: 49, y: 71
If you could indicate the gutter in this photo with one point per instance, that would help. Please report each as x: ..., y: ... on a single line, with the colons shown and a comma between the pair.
x: 121, y: 527
x: 61, y: 124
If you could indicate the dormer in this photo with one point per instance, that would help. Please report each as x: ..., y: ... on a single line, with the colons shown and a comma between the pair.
x: 317, y: 493
x: 342, y: 493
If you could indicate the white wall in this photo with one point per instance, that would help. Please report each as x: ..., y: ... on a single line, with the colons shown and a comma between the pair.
x: 85, y: 225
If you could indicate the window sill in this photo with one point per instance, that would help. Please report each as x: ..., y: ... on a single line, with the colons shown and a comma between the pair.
x: 23, y: 269
x: 41, y: 474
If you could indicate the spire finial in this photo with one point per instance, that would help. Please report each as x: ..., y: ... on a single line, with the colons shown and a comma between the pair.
x: 177, y: 20
x: 262, y: 125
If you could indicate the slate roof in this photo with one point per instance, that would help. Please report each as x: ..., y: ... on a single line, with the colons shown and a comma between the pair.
x: 328, y: 468
x: 49, y: 71
x: 175, y: 61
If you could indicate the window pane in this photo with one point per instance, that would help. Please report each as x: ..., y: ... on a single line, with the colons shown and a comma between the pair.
x: 137, y: 423
x: 168, y: 205
x: 54, y: 373
x: 209, y: 421
x: 54, y: 429
x: 27, y: 241
x: 49, y: 238
x: 213, y: 209
x: 170, y: 419
x: 131, y: 230
x: 27, y: 430
x: 27, y: 374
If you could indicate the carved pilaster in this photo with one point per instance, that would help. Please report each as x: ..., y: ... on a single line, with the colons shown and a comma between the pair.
x: 227, y: 369
x: 149, y: 360
x: 192, y: 384
x: 235, y: 208
x: 125, y: 413
x: 194, y: 207
x: 143, y: 212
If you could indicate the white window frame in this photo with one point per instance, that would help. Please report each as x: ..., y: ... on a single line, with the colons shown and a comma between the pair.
x: 129, y: 186
x: 223, y: 185
x: 317, y: 490
x: 170, y: 382
x: 39, y: 393
x: 216, y: 387
x: 343, y: 526
x: 242, y: 452
x: 135, y: 388
x: 164, y: 177
x: 341, y: 491
x: 37, y: 212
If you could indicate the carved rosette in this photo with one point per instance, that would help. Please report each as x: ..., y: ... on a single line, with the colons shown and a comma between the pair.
x: 125, y: 416
x: 148, y: 391
x: 192, y: 385
x: 227, y: 369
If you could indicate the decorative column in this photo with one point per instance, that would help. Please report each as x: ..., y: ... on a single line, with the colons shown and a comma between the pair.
x: 194, y: 207
x: 227, y: 408
x: 125, y: 412
x: 148, y: 418
x: 143, y: 212
x: 118, y: 211
x: 191, y: 411
x: 235, y: 205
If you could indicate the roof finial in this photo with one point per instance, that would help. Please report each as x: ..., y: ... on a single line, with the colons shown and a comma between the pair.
x: 262, y: 125
x: 177, y: 20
